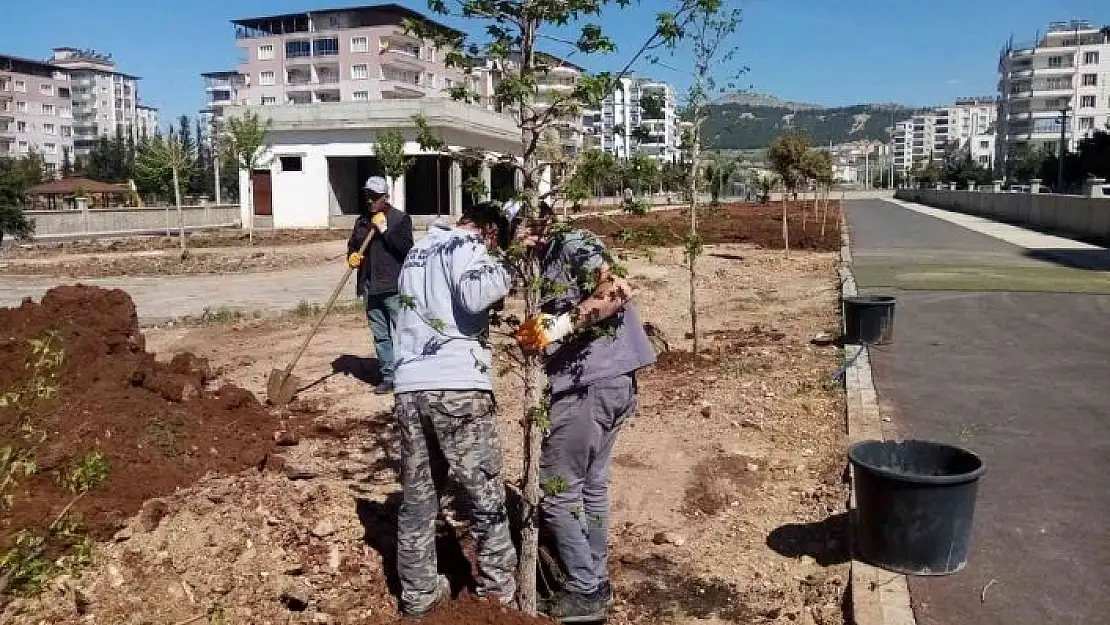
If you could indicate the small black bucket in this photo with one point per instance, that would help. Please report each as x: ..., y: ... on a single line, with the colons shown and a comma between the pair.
x: 869, y: 320
x: 915, y: 501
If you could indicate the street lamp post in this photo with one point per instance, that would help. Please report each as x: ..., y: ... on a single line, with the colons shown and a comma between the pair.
x: 1063, y: 149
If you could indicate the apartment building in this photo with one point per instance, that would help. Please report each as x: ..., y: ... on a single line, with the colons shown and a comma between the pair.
x: 146, y: 120
x: 221, y: 90
x: 104, y: 100
x: 1056, y: 83
x: 639, y: 117
x: 35, y: 113
x: 355, y: 54
x: 961, y: 127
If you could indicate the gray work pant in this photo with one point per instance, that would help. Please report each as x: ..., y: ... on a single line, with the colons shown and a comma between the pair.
x: 574, y: 471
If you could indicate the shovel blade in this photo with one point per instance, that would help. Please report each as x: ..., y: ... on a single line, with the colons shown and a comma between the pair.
x: 281, y: 387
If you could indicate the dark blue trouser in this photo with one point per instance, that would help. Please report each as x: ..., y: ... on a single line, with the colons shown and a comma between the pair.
x: 381, y: 312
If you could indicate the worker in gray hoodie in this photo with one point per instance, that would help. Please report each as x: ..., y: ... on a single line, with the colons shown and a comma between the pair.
x: 444, y: 404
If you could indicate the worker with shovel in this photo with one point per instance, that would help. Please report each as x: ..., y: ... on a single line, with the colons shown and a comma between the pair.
x: 445, y: 408
x: 594, y: 342
x: 379, y: 270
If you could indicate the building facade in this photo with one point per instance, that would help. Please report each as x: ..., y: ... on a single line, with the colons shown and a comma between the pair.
x: 35, y: 111
x: 1057, y: 84
x: 961, y: 127
x: 359, y: 54
x: 105, y: 101
x: 639, y: 117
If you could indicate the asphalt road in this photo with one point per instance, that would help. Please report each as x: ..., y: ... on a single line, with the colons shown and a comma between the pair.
x: 1019, y: 378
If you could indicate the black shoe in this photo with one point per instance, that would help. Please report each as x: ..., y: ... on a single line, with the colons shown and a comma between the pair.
x: 385, y: 387
x: 573, y: 607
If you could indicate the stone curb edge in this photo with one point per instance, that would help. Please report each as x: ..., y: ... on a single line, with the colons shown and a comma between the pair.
x: 878, y: 597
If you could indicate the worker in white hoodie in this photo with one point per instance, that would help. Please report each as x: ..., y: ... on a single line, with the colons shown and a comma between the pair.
x: 444, y: 391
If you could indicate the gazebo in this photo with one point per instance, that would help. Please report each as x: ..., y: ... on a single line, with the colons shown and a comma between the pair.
x: 100, y: 194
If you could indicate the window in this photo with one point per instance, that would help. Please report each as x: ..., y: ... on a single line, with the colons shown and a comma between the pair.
x: 267, y: 100
x: 448, y: 83
x: 49, y: 129
x: 21, y: 107
x: 1090, y: 80
x: 297, y: 49
x: 360, y: 96
x: 325, y: 47
x: 21, y: 86
x: 429, y: 80
x: 1058, y: 84
x: 21, y: 126
x: 66, y: 112
x: 984, y: 144
x: 23, y: 146
x: 63, y: 92
x: 46, y: 89
x: 50, y: 148
x: 1055, y: 61
x: 1090, y: 58
x: 266, y: 52
x: 67, y: 131
x: 291, y: 163
x: 1087, y: 102
x: 360, y: 44
x: 1086, y: 123
x: 359, y: 72
x: 266, y: 78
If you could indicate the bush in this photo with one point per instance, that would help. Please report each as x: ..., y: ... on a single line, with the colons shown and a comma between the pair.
x: 636, y: 206
x: 15, y: 223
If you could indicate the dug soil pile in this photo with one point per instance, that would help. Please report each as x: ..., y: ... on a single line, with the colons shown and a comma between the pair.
x: 756, y: 224
x: 78, y: 382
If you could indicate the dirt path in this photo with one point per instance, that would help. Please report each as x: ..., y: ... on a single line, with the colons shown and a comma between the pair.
x: 736, y: 455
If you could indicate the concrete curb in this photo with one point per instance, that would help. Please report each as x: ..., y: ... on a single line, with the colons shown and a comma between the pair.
x: 878, y: 597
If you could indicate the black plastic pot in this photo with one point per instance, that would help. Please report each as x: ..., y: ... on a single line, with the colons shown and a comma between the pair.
x: 869, y: 319
x: 915, y: 501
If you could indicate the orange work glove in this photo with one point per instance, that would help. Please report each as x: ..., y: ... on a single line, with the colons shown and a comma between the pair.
x: 354, y: 259
x: 379, y: 222
x: 542, y: 330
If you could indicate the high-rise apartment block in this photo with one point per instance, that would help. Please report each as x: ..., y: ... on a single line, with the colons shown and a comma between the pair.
x: 639, y: 117
x: 962, y: 127
x: 35, y: 110
x: 105, y: 101
x: 339, y: 55
x: 1056, y: 85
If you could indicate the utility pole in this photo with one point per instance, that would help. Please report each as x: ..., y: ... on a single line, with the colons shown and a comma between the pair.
x: 1063, y: 149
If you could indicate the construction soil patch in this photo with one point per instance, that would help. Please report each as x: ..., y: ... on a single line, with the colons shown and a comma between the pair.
x: 196, y: 240
x: 94, y: 411
x: 727, y: 489
x: 755, y: 224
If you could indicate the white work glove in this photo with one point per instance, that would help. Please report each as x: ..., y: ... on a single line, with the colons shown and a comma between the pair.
x: 542, y: 330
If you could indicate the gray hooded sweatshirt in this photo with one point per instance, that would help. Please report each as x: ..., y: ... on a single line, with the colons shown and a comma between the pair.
x: 447, y: 285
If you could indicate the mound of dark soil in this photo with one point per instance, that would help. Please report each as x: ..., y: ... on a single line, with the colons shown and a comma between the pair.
x: 757, y: 224
x: 87, y: 385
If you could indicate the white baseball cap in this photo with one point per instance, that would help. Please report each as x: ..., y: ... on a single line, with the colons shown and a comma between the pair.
x: 511, y: 208
x: 376, y: 185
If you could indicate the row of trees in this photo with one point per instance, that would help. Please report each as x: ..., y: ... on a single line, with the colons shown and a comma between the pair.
x: 116, y: 160
x: 1091, y: 158
x: 796, y: 164
x: 17, y: 176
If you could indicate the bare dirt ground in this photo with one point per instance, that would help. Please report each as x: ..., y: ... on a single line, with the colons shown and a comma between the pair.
x: 727, y: 493
x: 260, y: 257
x: 197, y: 240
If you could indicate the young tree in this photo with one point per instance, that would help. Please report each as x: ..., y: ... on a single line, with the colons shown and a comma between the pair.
x: 515, y: 28
x: 67, y: 163
x: 712, y: 27
x: 17, y: 176
x: 166, y: 158
x: 244, y: 143
x: 786, y: 155
x: 390, y: 150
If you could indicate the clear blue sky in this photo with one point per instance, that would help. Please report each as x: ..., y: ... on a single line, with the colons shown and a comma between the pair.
x: 825, y: 51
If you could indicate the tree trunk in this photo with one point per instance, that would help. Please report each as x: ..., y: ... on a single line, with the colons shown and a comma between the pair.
x: 785, y: 227
x: 180, y: 213
x: 825, y: 212
x: 533, y: 373
x: 250, y: 206
x: 692, y: 242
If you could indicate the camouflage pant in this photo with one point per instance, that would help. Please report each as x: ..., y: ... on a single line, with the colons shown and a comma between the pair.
x: 463, y: 426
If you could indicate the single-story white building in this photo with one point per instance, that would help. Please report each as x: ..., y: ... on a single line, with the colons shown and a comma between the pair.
x: 320, y: 155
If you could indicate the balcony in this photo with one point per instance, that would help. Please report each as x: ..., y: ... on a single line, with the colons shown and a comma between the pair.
x: 401, y: 90
x: 1060, y: 70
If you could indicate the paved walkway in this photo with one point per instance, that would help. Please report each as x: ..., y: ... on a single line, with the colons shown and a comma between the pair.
x: 159, y: 298
x: 1018, y: 377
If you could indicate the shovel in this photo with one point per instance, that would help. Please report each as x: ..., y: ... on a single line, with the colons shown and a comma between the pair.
x: 282, y: 384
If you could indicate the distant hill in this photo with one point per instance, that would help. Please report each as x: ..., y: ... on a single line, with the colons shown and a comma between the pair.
x: 748, y: 126
x: 763, y: 99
